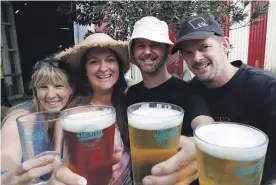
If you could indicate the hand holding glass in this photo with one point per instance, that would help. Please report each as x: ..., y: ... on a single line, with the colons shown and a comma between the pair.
x: 40, y: 134
x: 229, y: 153
x: 89, y: 138
x: 154, y: 130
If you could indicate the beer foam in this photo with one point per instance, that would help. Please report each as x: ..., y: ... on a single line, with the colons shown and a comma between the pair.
x: 154, y: 118
x: 231, y: 141
x: 89, y: 122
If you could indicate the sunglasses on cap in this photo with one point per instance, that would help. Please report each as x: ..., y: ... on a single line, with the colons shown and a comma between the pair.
x: 57, y: 64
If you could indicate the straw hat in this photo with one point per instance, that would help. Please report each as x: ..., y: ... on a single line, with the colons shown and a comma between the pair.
x: 74, y: 54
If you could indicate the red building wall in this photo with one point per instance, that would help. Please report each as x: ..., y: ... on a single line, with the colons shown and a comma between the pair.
x: 257, y: 42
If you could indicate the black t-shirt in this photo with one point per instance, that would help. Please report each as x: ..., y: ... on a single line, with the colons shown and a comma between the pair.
x: 248, y: 98
x: 174, y: 91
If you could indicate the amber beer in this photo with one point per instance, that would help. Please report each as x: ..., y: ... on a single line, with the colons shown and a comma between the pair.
x: 230, y: 154
x: 154, y: 130
x: 89, y: 139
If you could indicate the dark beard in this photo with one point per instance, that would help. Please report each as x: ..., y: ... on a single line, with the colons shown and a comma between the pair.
x: 156, y: 68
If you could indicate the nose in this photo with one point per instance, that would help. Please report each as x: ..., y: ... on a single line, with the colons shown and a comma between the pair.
x: 103, y: 66
x: 147, y: 50
x: 198, y: 56
x: 51, y: 92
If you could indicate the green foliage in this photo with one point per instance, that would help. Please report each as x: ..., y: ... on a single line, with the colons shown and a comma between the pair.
x: 121, y: 15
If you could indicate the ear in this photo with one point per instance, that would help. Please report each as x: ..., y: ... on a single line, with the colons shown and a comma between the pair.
x: 226, y: 45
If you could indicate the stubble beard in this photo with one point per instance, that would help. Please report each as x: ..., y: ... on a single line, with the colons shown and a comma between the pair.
x: 154, y: 69
x: 212, y: 76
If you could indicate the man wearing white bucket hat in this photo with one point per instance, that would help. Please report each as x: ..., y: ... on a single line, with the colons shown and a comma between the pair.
x: 149, y: 48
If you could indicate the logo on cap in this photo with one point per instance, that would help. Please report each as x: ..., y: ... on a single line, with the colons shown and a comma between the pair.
x: 198, y: 22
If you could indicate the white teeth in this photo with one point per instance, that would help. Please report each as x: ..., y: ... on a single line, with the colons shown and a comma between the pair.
x: 104, y: 76
x: 149, y: 61
x: 202, y: 66
x: 53, y: 103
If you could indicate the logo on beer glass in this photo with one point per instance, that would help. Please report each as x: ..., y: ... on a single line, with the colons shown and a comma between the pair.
x: 164, y: 135
x: 88, y: 138
x: 248, y: 172
x: 31, y: 132
x: 38, y: 136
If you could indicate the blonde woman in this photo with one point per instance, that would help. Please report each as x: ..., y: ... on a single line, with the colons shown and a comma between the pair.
x: 51, y: 84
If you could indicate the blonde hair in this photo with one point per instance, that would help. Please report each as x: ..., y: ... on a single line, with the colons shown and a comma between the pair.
x: 47, y: 74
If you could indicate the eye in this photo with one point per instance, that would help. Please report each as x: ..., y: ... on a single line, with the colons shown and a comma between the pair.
x: 155, y: 45
x: 42, y: 87
x: 90, y: 62
x: 59, y: 86
x: 186, y: 53
x: 205, y: 47
x: 138, y: 45
x: 111, y: 59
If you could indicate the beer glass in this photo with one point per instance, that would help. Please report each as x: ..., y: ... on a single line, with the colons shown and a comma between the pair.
x: 230, y: 153
x: 40, y: 134
x: 154, y: 131
x: 89, y: 140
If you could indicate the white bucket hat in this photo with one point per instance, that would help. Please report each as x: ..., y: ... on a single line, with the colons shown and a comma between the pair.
x: 150, y: 28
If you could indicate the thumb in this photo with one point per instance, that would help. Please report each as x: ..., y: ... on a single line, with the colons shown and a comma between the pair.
x: 116, y: 158
x: 66, y: 176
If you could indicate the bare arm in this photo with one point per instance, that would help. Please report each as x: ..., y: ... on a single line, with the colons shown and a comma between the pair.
x: 11, y: 152
x: 199, y: 120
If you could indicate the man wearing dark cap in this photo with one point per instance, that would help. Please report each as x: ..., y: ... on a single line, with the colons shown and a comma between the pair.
x: 235, y: 92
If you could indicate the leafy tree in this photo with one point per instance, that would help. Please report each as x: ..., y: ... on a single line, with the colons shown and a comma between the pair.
x: 121, y: 15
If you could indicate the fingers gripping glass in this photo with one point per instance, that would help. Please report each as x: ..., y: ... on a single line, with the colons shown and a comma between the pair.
x: 57, y: 64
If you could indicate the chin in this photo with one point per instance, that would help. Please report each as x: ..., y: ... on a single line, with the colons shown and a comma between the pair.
x: 107, y: 87
x: 54, y: 109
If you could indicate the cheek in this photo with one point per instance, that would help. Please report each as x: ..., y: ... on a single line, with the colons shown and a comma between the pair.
x: 159, y: 52
x: 40, y: 95
x: 91, y: 71
x: 136, y: 52
x: 114, y: 67
x: 65, y: 94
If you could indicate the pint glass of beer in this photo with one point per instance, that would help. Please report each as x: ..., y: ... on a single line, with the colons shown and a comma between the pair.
x: 230, y: 154
x: 89, y: 141
x: 154, y: 130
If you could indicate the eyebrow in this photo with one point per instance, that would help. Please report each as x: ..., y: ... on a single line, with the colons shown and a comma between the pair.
x: 137, y: 42
x: 92, y: 57
x: 194, y: 44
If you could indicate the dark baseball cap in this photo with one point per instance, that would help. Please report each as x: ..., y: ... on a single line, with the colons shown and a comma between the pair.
x: 195, y: 28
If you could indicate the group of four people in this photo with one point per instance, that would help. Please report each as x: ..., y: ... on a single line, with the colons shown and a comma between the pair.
x: 92, y: 73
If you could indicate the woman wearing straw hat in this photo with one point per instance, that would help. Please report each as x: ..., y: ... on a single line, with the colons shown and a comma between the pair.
x: 100, y: 63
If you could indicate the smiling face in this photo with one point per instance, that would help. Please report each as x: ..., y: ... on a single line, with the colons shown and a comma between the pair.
x: 150, y: 56
x: 53, y: 97
x: 206, y: 58
x: 102, y: 69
